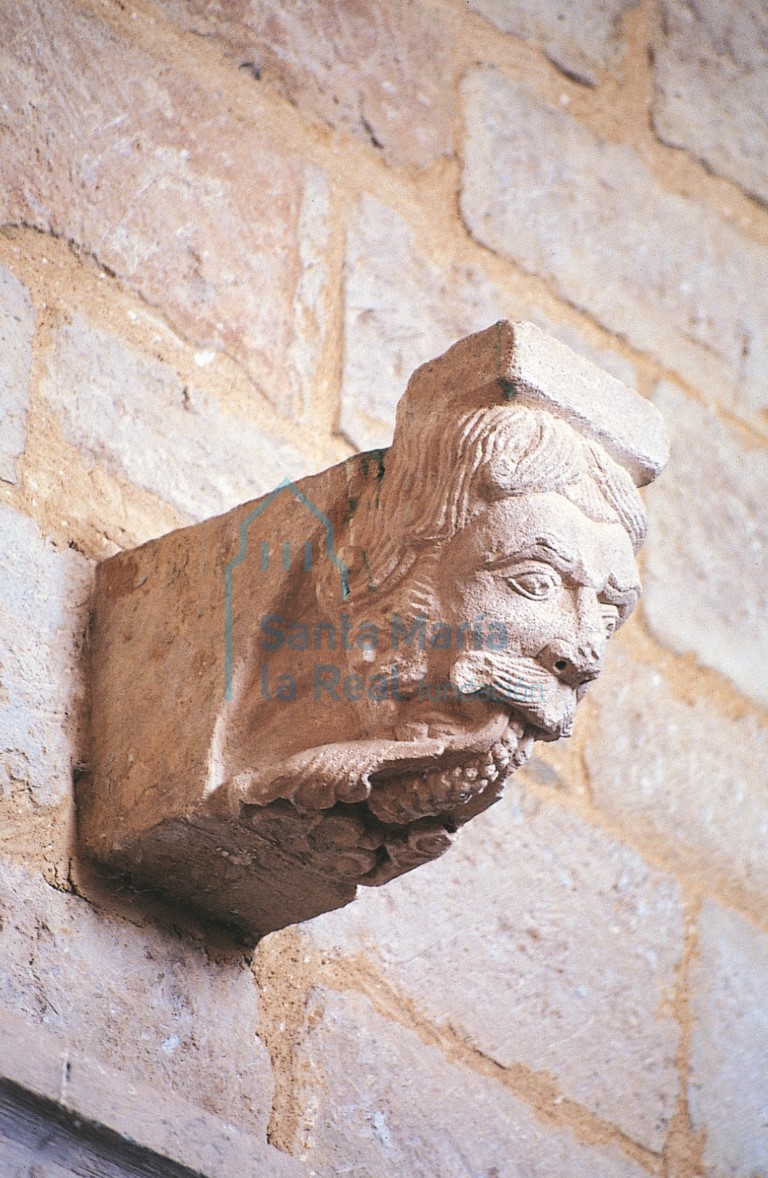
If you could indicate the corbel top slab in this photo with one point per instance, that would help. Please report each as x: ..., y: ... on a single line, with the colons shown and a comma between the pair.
x: 517, y: 362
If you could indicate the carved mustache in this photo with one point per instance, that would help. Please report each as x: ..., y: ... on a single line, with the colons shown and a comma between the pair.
x: 521, y: 683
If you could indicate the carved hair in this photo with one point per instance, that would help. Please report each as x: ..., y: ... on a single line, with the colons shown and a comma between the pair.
x: 440, y: 477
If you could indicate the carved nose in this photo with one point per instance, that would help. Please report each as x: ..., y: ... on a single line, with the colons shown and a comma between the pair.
x: 573, y: 665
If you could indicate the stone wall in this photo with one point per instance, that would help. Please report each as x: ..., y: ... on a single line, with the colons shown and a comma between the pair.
x: 230, y: 230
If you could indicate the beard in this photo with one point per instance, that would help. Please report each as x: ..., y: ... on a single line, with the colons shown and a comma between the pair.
x: 538, y: 707
x: 459, y: 791
x: 446, y: 774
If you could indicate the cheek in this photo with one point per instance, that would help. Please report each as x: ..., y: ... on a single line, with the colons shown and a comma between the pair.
x: 531, y: 625
x: 463, y: 601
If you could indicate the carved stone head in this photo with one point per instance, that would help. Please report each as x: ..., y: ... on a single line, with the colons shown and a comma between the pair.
x: 489, y: 561
x: 453, y: 604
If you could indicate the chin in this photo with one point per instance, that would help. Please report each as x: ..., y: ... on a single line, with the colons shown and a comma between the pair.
x: 473, y: 777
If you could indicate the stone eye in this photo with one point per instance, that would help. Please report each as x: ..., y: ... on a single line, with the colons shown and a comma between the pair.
x: 537, y: 583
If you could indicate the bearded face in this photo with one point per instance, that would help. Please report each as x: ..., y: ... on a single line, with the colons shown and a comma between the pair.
x: 530, y: 589
x: 551, y: 585
x: 557, y: 585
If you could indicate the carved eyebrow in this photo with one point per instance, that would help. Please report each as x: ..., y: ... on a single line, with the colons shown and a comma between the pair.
x: 555, y: 552
x: 542, y: 548
x: 614, y: 592
x: 623, y: 594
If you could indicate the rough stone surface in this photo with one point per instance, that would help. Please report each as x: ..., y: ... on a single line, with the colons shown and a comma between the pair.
x: 581, y: 38
x: 42, y: 1065
x: 710, y: 62
x: 143, y: 164
x: 728, y: 1092
x: 401, y: 307
x: 17, y: 328
x: 707, y: 567
x: 418, y: 1114
x: 588, y: 216
x: 546, y: 375
x: 544, y: 943
x: 682, y: 775
x: 44, y: 599
x: 141, y: 1000
x: 134, y: 417
x: 153, y: 176
x: 308, y: 315
x: 382, y: 70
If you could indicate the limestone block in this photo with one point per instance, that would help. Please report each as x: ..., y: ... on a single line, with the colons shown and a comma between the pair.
x: 75, y: 1087
x: 205, y: 217
x: 17, y: 328
x: 136, y: 419
x: 317, y: 689
x: 588, y: 216
x: 728, y: 1092
x: 417, y: 1113
x: 401, y: 307
x: 381, y: 70
x: 143, y: 1002
x: 707, y: 590
x: 543, y: 942
x: 710, y: 61
x: 581, y: 38
x: 683, y: 775
x: 44, y: 599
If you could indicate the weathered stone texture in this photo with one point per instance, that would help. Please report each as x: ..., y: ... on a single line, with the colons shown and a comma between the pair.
x: 710, y: 64
x: 44, y: 598
x: 545, y: 943
x: 682, y: 775
x: 728, y: 1092
x: 139, y: 999
x: 589, y: 216
x: 382, y: 70
x: 138, y: 165
x: 706, y: 587
x: 47, y: 1066
x: 581, y: 38
x: 134, y: 417
x: 17, y: 328
x: 418, y: 1114
x: 402, y: 307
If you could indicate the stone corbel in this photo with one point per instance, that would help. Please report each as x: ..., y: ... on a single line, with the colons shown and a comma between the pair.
x: 318, y: 689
